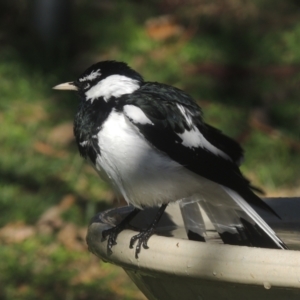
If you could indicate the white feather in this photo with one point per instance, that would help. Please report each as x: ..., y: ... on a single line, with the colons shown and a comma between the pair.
x: 136, y: 114
x: 186, y: 114
x: 91, y: 76
x: 112, y: 86
x: 143, y: 175
x: 225, y: 207
x: 253, y: 215
x: 192, y: 217
x: 194, y: 138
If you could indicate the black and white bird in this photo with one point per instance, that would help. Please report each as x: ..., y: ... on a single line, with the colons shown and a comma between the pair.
x: 149, y: 141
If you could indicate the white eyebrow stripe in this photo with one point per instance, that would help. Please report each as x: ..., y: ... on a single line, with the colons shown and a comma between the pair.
x: 91, y: 76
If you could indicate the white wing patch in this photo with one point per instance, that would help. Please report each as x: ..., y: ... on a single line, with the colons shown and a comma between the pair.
x: 186, y: 114
x: 91, y: 76
x: 193, y: 138
x: 136, y: 114
x: 112, y: 86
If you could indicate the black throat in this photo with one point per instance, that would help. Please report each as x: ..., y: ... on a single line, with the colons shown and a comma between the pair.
x: 87, y: 124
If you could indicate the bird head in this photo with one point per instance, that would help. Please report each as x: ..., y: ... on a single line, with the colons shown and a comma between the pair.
x: 104, y: 80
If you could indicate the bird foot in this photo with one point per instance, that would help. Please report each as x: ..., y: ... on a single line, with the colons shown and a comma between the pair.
x: 112, y: 235
x: 142, y: 240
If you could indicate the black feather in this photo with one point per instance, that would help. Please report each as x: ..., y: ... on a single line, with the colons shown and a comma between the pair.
x: 87, y: 124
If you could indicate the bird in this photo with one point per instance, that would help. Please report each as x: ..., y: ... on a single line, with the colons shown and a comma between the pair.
x: 150, y: 142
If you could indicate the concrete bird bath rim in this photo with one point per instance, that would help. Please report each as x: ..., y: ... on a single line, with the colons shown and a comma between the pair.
x: 176, y: 268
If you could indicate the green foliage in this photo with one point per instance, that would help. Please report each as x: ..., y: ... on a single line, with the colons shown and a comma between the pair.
x: 35, y: 269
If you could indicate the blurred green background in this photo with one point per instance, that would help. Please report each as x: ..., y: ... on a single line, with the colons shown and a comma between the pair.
x: 240, y: 59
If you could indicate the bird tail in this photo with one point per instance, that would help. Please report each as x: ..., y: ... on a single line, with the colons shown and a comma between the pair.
x: 192, y: 219
x: 236, y: 222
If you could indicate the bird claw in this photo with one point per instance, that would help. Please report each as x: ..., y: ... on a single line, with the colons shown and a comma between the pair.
x: 113, y: 232
x: 142, y: 240
x: 141, y: 237
x: 112, y: 235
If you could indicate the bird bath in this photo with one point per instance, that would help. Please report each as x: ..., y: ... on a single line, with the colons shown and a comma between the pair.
x: 176, y: 268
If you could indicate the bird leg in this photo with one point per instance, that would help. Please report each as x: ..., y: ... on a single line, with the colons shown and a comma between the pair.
x: 112, y: 233
x: 144, y: 235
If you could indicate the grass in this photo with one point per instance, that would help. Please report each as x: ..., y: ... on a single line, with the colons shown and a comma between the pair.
x: 44, y: 269
x: 241, y: 66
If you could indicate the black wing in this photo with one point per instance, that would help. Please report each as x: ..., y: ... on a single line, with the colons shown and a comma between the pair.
x: 224, y: 143
x: 172, y: 112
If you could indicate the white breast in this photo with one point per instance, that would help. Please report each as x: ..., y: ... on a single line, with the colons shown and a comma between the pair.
x: 142, y: 174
